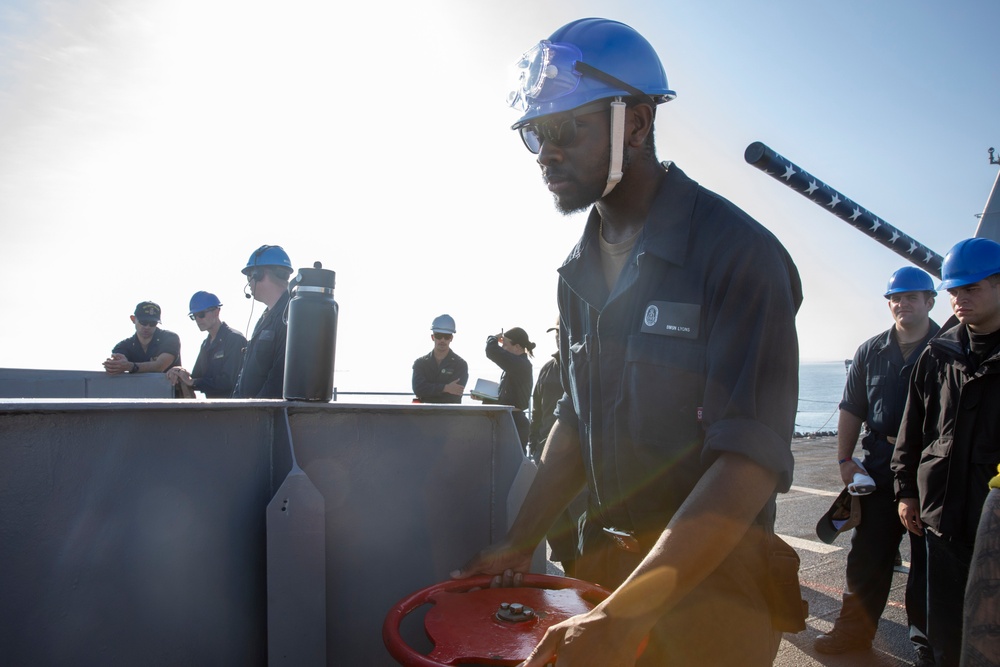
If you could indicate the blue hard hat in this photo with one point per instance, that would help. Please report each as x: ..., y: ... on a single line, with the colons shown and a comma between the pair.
x: 585, y: 61
x: 267, y: 255
x: 968, y: 262
x: 909, y: 279
x: 443, y: 324
x: 203, y: 301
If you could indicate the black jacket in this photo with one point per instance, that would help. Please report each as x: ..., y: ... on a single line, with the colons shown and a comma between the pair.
x: 218, y: 363
x: 429, y: 378
x: 692, y: 353
x: 949, y: 441
x: 515, y: 382
x: 548, y: 391
x: 877, y: 384
x: 263, y: 372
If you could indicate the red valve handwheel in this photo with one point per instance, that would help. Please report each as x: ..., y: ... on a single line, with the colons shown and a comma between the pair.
x: 465, y: 627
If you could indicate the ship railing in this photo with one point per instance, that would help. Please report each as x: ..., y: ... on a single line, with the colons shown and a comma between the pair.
x: 402, y: 394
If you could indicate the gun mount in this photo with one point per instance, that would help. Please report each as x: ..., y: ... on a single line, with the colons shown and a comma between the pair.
x: 790, y: 174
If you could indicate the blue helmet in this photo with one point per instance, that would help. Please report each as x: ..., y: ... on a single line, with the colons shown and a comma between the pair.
x: 267, y: 255
x: 968, y: 262
x: 909, y: 279
x: 443, y: 324
x: 585, y: 61
x: 203, y: 301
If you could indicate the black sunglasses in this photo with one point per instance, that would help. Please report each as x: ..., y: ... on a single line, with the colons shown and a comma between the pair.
x: 147, y: 324
x: 558, y: 129
x: 202, y: 314
x: 441, y: 336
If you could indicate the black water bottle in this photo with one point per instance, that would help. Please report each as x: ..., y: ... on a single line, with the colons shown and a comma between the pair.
x: 312, y: 336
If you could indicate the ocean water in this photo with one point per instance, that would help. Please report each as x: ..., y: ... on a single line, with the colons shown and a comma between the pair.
x: 821, y: 385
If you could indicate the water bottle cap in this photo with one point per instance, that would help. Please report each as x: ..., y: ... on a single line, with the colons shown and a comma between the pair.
x: 315, y: 277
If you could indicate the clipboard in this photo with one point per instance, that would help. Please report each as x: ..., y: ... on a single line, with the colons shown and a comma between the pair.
x: 486, y: 389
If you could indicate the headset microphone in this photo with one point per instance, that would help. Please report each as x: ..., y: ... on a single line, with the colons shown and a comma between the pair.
x: 256, y: 276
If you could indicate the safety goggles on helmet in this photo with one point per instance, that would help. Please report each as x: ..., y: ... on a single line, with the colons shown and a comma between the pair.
x: 551, y: 70
x: 557, y: 129
x: 545, y: 72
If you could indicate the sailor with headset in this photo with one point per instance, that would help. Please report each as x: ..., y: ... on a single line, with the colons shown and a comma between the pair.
x: 263, y: 371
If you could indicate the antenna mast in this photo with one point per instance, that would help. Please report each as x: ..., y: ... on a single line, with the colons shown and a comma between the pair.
x: 989, y: 221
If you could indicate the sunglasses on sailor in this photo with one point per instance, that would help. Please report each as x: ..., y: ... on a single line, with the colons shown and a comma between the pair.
x: 442, y: 336
x: 558, y: 129
x: 146, y: 323
x: 202, y: 314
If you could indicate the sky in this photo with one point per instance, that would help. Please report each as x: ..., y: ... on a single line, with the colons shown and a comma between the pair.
x: 147, y: 147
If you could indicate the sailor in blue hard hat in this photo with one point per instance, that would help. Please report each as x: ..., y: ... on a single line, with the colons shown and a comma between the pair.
x: 440, y: 376
x: 218, y: 364
x: 871, y: 411
x: 971, y: 275
x: 681, y: 382
x: 263, y: 373
x: 947, y: 449
x: 267, y: 261
x: 910, y: 294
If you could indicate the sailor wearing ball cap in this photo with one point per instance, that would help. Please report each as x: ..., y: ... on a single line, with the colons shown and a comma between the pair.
x: 150, y: 350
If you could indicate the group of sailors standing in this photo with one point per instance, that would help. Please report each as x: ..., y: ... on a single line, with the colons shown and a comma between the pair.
x: 228, y: 365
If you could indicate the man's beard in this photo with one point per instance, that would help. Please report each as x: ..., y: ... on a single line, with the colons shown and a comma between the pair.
x: 581, y: 202
x: 589, y: 194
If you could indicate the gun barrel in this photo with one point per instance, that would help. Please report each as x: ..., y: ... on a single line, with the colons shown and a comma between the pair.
x: 790, y: 174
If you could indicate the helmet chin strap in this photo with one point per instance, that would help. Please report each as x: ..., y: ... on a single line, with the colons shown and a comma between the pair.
x: 617, y: 144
